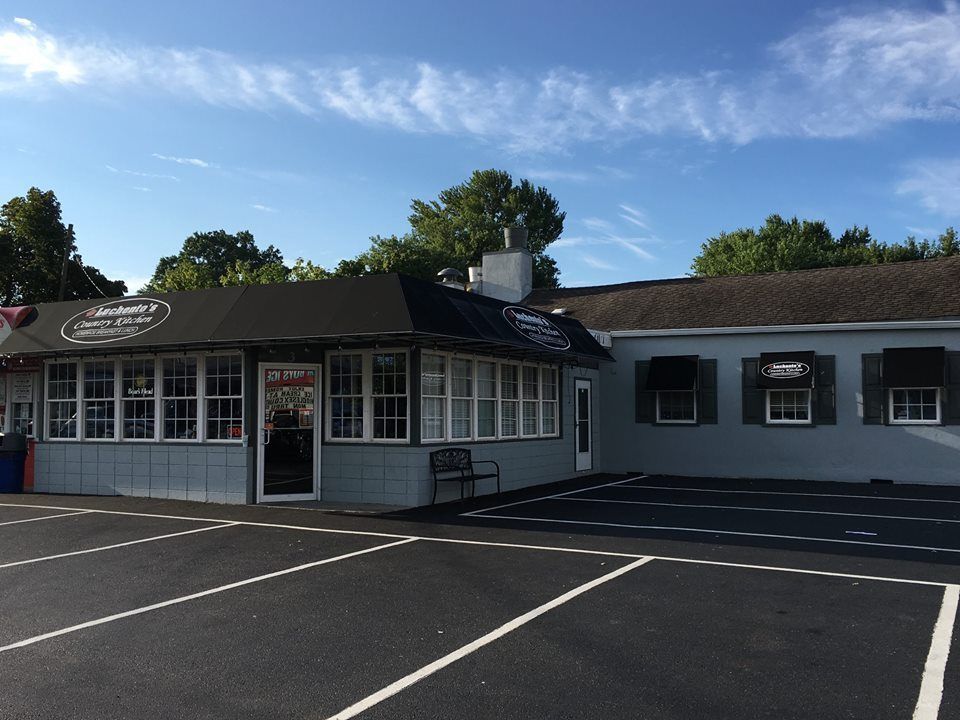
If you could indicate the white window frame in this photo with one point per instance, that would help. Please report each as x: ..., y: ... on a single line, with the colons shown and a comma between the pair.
x: 202, y: 400
x: 808, y: 421
x: 47, y: 401
x: 669, y: 421
x: 6, y: 379
x: 158, y: 359
x: 366, y: 386
x: 894, y: 421
x: 475, y: 419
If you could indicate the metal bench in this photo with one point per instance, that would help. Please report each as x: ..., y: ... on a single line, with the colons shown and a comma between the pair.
x: 459, y: 460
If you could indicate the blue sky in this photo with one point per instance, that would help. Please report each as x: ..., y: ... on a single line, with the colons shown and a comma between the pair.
x: 313, y: 124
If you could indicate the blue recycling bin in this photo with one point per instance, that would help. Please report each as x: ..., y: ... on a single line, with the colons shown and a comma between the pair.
x: 13, y: 454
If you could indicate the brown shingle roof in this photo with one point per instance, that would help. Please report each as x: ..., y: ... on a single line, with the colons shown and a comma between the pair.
x: 919, y: 290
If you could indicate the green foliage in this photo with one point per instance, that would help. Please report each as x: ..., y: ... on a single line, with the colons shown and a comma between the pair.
x: 209, y: 259
x: 32, y: 240
x: 800, y: 244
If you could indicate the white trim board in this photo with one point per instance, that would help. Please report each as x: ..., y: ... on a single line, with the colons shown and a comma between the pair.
x: 818, y: 327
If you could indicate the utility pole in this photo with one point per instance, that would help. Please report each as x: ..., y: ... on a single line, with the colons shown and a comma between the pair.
x: 66, y: 262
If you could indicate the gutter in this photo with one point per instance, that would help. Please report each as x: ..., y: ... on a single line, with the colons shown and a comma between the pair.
x: 773, y: 329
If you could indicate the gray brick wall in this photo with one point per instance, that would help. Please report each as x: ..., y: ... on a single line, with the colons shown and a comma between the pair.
x: 206, y: 473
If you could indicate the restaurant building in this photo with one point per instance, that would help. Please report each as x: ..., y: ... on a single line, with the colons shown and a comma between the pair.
x: 335, y: 390
x: 339, y: 390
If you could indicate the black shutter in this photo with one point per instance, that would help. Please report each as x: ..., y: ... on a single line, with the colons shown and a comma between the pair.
x: 951, y: 403
x: 646, y: 400
x: 753, y: 397
x: 873, y: 405
x: 825, y: 390
x: 707, y: 392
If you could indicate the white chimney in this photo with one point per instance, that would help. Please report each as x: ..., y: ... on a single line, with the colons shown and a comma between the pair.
x: 508, y: 273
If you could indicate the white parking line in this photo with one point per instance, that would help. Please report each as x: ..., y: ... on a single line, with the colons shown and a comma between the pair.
x: 931, y: 687
x: 718, y: 532
x: 522, y: 546
x: 194, y: 596
x: 784, y: 492
x: 46, y: 517
x: 550, y: 497
x: 754, y: 509
x: 460, y: 653
x: 117, y: 545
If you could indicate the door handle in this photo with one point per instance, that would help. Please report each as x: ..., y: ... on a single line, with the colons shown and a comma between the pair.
x: 266, y: 437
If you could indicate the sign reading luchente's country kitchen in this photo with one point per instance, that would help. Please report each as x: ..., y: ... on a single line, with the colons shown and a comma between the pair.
x: 116, y: 320
x: 785, y: 369
x: 535, y: 327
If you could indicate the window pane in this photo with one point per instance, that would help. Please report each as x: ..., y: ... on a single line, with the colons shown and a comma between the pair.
x: 549, y: 422
x: 346, y: 396
x: 508, y: 418
x: 433, y: 419
x: 486, y: 418
x: 433, y: 375
x: 531, y: 422
x: 531, y: 389
x: 548, y: 377
x: 224, y: 392
x: 460, y: 419
x: 508, y: 382
x: 486, y: 379
x: 98, y: 395
x: 461, y: 372
x: 180, y: 377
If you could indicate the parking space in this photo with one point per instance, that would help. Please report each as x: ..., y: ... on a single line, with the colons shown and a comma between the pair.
x: 250, y: 613
x: 804, y: 517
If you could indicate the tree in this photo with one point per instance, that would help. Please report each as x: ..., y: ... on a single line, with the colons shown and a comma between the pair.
x: 468, y: 219
x: 32, y: 241
x: 800, y: 244
x: 208, y: 257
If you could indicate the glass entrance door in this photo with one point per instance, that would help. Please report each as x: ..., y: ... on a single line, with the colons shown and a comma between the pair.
x: 289, y: 396
x: 584, y: 425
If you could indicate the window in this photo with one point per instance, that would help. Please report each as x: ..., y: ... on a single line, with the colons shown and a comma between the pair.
x: 470, y: 398
x: 138, y: 398
x: 179, y: 398
x: 915, y: 406
x: 530, y: 389
x: 346, y: 396
x: 548, y: 384
x: 788, y: 406
x: 486, y: 399
x: 223, y: 393
x: 676, y: 406
x: 461, y: 404
x: 62, y: 400
x: 21, y: 402
x: 433, y: 391
x: 22, y: 418
x: 390, y: 396
x: 99, y: 404
x: 509, y: 393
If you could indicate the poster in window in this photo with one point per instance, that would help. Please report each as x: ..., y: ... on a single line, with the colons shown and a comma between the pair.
x: 22, y: 388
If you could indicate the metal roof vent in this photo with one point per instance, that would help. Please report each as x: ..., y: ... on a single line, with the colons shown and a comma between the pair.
x: 450, y: 276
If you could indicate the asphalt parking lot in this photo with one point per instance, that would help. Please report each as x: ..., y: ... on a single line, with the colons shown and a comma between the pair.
x: 608, y: 597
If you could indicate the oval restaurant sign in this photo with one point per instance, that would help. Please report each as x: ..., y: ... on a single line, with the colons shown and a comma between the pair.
x: 785, y: 370
x: 536, y: 328
x: 115, y: 320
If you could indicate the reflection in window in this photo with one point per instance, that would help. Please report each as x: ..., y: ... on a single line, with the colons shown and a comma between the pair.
x: 224, y: 397
x: 346, y: 396
x: 138, y: 398
x: 433, y: 390
x: 179, y: 398
x: 390, y: 396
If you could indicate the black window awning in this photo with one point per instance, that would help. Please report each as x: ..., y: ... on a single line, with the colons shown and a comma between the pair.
x: 786, y: 370
x: 375, y: 308
x: 913, y: 367
x: 673, y: 372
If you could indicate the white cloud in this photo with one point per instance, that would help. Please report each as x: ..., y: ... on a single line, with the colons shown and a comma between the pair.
x: 597, y: 224
x: 936, y: 183
x: 195, y: 162
x: 844, y: 74
x: 597, y: 263
x: 140, y: 188
x: 25, y: 23
x: 137, y: 173
x: 263, y: 208
x: 634, y: 217
x: 547, y: 175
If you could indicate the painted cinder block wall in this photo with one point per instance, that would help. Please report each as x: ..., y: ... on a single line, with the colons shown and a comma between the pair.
x: 847, y: 451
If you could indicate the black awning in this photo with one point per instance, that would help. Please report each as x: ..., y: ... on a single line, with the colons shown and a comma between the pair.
x: 673, y: 372
x: 786, y: 370
x: 375, y: 307
x: 913, y: 367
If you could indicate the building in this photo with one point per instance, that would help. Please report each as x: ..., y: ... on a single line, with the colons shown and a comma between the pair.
x: 848, y: 374
x: 335, y: 390
x: 338, y: 390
